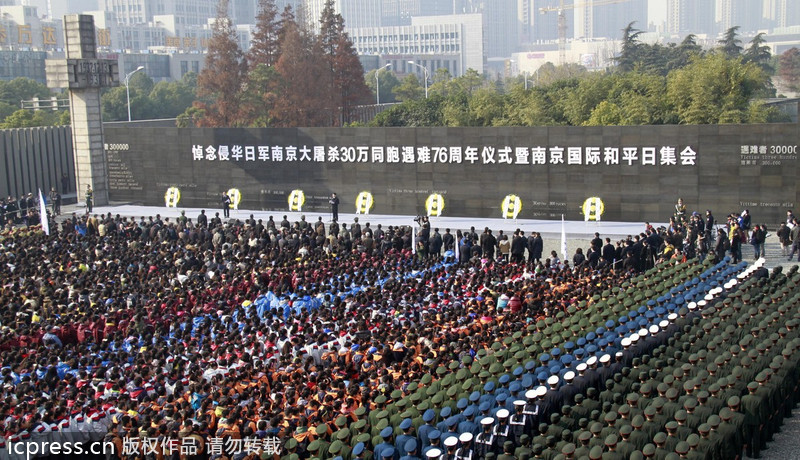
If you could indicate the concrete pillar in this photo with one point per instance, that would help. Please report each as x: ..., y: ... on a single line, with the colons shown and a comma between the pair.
x: 85, y: 75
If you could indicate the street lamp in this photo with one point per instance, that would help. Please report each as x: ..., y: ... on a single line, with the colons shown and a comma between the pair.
x: 378, y: 84
x: 525, y: 76
x: 425, y: 69
x: 128, y: 90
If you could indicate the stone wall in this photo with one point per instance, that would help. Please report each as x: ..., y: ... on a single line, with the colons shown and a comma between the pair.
x: 639, y: 171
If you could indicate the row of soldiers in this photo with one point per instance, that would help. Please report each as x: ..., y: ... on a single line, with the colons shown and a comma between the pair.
x: 511, y: 423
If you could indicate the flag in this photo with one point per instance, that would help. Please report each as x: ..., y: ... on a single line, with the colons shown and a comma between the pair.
x: 458, y: 250
x: 563, y: 239
x: 414, y: 239
x: 43, y: 214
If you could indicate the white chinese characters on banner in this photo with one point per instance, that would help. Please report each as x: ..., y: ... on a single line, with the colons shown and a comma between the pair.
x: 473, y: 155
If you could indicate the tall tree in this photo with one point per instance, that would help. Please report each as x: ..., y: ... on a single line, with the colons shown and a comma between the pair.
x: 219, y: 85
x: 682, y: 54
x: 286, y: 22
x: 258, y: 96
x: 631, y: 46
x: 345, y: 78
x: 759, y: 53
x: 331, y: 28
x: 730, y: 43
x: 264, y: 47
x: 300, y: 97
x: 789, y: 68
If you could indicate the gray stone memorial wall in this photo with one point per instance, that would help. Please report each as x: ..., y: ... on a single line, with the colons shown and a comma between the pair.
x: 638, y: 172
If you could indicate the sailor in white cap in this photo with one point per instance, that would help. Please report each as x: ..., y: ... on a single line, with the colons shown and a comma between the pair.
x: 451, y: 444
x: 568, y: 390
x: 519, y: 421
x: 484, y: 442
x: 433, y: 454
x: 501, y: 430
x: 531, y: 407
x: 581, y: 368
x: 605, y: 371
x: 541, y: 390
x: 464, y: 452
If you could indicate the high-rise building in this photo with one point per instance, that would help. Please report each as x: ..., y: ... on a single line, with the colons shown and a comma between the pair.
x: 781, y: 13
x: 356, y: 13
x: 691, y: 17
x: 499, y: 24
x: 747, y: 14
x: 186, y: 12
x: 452, y: 42
x: 607, y: 19
x: 400, y: 12
x: 360, y: 13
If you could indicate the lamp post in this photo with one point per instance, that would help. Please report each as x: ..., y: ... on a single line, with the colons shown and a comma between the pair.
x: 378, y: 84
x: 525, y: 75
x: 425, y: 69
x: 128, y: 90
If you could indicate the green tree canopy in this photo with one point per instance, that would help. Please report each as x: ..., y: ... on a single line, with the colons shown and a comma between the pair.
x: 714, y: 89
x: 759, y: 53
x: 409, y: 89
x: 388, y: 81
x: 730, y: 45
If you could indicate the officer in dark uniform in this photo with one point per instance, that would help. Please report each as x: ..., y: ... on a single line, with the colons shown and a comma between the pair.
x: 386, y: 435
x: 424, y: 430
x: 411, y: 447
x: 435, y: 443
x: 402, y: 439
x: 225, y: 203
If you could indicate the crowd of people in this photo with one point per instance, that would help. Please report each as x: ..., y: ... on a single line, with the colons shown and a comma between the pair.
x: 211, y: 330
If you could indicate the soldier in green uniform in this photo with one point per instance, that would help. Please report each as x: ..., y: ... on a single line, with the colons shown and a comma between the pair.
x: 524, y: 450
x: 753, y: 416
x: 611, y: 445
x: 508, y: 451
x: 638, y: 437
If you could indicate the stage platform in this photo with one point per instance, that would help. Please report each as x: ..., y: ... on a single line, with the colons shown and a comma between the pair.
x: 573, y: 229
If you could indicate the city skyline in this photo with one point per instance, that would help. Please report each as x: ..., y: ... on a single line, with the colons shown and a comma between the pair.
x: 494, y: 37
x: 584, y: 20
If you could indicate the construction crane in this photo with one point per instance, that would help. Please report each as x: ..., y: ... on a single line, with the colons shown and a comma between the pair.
x: 562, y: 20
